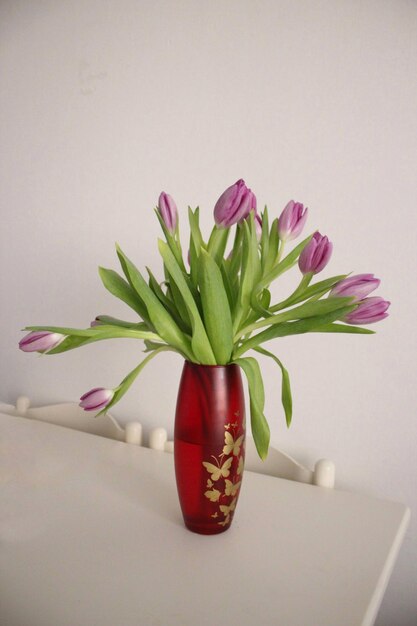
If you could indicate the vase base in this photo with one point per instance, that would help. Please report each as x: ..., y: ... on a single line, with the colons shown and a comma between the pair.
x: 205, y: 529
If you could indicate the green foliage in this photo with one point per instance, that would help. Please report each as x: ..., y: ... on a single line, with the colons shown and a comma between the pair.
x: 216, y: 309
x: 286, y: 396
x: 199, y: 341
x: 219, y: 308
x: 259, y: 425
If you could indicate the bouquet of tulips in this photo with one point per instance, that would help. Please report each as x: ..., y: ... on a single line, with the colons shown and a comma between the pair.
x: 215, y: 307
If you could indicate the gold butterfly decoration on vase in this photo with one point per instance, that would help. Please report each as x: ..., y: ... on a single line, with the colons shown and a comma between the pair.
x: 213, y: 495
x: 226, y: 510
x: 231, y: 488
x: 231, y: 446
x: 240, y: 466
x: 218, y: 471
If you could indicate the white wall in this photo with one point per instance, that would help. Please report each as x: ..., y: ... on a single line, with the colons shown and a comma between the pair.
x: 105, y: 103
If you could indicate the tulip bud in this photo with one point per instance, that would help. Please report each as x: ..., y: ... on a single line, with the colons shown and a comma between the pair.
x: 258, y: 226
x: 95, y: 322
x: 234, y: 205
x: 368, y: 311
x: 96, y: 399
x: 315, y: 255
x: 168, y: 211
x: 358, y: 286
x: 291, y: 221
x: 40, y: 341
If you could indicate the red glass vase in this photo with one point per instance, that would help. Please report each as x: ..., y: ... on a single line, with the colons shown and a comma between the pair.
x: 209, y: 445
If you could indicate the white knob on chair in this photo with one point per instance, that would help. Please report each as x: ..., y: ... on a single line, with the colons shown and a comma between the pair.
x: 158, y: 438
x: 133, y: 433
x: 324, y: 473
x: 22, y: 405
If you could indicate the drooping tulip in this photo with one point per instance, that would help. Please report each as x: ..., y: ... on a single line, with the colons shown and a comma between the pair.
x: 358, y: 286
x: 368, y: 311
x: 291, y: 221
x: 96, y: 399
x: 168, y: 211
x: 315, y: 255
x: 40, y: 341
x: 234, y: 205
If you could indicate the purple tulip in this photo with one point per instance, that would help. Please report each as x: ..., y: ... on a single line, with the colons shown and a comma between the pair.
x: 234, y: 205
x: 95, y: 322
x: 358, y: 286
x: 291, y: 221
x: 96, y: 399
x: 40, y: 341
x: 315, y: 255
x: 168, y: 211
x: 368, y: 311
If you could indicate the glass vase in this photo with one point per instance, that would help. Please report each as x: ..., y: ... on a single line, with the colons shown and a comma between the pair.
x: 209, y: 445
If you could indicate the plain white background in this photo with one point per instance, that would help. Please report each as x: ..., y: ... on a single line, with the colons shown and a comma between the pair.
x: 105, y: 103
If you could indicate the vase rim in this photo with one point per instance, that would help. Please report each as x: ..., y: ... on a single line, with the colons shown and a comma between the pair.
x: 211, y: 366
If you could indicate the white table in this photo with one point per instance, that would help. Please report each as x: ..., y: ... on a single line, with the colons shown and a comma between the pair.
x: 91, y: 534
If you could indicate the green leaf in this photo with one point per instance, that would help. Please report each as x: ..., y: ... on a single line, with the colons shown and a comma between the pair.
x: 342, y: 328
x: 306, y: 310
x: 259, y: 425
x: 200, y: 343
x: 195, y: 232
x: 118, y: 287
x: 69, y: 343
x: 286, y: 397
x: 311, y: 324
x: 130, y: 379
x: 108, y: 320
x: 231, y: 293
x: 102, y: 331
x: 217, y: 243
x: 287, y: 263
x: 216, y: 309
x: 154, y: 345
x: 265, y: 238
x: 167, y: 303
x: 260, y: 307
x: 306, y: 292
x: 160, y: 317
x: 76, y: 338
x: 273, y: 245
x: 251, y: 272
x: 196, y: 243
x: 179, y: 304
x: 236, y: 256
x: 173, y: 242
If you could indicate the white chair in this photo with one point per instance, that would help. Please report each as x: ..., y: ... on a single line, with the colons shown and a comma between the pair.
x: 276, y: 464
x: 70, y: 415
x: 282, y: 465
